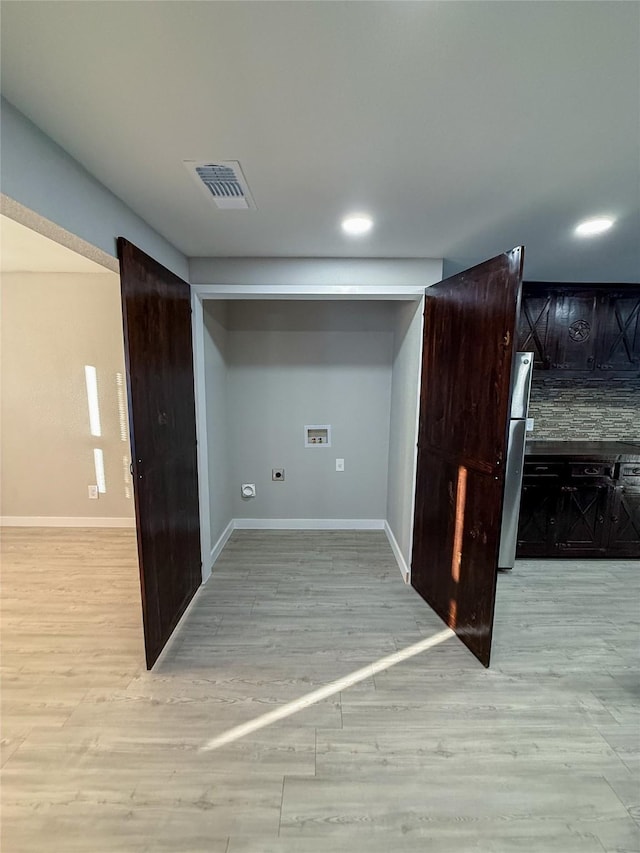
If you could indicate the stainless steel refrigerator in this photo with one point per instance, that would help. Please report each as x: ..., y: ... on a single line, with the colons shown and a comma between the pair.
x: 520, y: 391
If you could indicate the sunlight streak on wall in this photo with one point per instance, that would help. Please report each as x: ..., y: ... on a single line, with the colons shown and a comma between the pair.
x: 91, y: 379
x: 98, y: 461
x: 122, y: 407
x: 126, y: 471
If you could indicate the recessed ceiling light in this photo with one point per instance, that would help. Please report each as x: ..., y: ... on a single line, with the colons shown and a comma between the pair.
x: 356, y: 224
x: 591, y: 227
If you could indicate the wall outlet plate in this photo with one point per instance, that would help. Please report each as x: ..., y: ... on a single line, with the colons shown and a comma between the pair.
x: 277, y: 475
x: 530, y: 422
x: 339, y: 464
x: 93, y: 493
x: 248, y: 490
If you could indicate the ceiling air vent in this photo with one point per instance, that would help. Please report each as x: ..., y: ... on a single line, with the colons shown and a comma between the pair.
x: 223, y: 180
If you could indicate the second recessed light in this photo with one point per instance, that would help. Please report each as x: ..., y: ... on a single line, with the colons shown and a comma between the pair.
x: 357, y: 224
x: 591, y: 227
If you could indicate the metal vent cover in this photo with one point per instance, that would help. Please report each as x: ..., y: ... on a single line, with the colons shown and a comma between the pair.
x: 223, y: 181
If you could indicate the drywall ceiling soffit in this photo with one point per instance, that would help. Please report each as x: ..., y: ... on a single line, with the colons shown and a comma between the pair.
x: 464, y: 128
x: 25, y: 250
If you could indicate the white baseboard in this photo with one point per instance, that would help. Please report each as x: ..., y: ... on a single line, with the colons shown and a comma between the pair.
x: 64, y: 521
x: 309, y: 523
x: 221, y: 542
x: 397, y: 553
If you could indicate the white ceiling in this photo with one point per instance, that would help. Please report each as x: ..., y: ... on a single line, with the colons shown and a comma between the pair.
x: 23, y: 250
x: 464, y: 128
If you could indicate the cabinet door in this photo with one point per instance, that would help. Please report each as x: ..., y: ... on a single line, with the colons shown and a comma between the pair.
x: 537, y: 524
x: 537, y: 313
x: 620, y: 331
x: 575, y: 331
x: 583, y: 519
x: 624, y: 536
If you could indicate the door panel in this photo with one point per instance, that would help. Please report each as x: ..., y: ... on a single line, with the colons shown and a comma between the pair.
x: 582, y: 518
x: 534, y: 332
x: 470, y: 325
x: 620, y: 346
x: 576, y: 323
x: 537, y: 527
x: 158, y: 352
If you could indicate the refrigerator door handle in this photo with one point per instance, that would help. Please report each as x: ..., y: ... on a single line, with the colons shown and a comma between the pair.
x: 521, y: 383
x: 512, y: 488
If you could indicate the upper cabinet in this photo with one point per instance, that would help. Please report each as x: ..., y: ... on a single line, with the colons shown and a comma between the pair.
x: 620, y: 344
x: 582, y: 331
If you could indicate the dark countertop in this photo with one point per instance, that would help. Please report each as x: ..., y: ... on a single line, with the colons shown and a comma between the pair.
x: 605, y: 450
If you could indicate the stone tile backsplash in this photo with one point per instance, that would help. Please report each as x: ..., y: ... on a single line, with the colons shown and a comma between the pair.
x: 567, y: 412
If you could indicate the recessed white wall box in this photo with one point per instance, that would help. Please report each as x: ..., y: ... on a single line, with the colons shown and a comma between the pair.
x: 317, y: 435
x: 248, y: 490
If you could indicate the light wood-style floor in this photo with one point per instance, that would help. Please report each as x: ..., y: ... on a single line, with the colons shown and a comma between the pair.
x: 539, y: 753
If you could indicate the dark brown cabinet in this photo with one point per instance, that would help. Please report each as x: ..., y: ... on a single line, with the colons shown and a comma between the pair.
x: 624, y: 536
x: 582, y: 331
x: 620, y: 335
x: 583, y: 527
x: 578, y: 508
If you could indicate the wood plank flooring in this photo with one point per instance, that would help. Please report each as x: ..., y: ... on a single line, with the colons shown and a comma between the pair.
x: 539, y: 753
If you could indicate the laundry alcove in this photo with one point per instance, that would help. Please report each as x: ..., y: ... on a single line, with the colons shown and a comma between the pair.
x: 266, y: 369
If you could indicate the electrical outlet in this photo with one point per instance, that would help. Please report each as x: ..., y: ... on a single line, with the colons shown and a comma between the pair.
x: 339, y: 464
x: 530, y: 422
x: 277, y: 474
x: 93, y: 493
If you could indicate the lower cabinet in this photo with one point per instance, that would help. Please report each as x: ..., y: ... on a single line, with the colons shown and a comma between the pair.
x: 583, y: 519
x: 537, y: 525
x: 624, y: 539
x: 562, y: 516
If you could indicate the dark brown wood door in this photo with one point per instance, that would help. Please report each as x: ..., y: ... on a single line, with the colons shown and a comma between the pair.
x: 469, y: 330
x: 156, y: 307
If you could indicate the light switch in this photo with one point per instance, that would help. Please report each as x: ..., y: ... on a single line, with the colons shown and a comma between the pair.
x: 339, y: 464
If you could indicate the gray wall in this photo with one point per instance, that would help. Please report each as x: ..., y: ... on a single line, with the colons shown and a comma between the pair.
x: 297, y: 363
x: 403, y: 426
x: 216, y: 391
x: 42, y: 177
x: 567, y: 411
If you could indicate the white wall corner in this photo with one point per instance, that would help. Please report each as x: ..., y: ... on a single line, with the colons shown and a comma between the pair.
x: 202, y: 449
x: 405, y: 571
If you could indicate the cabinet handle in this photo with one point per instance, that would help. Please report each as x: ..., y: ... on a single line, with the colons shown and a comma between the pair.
x: 552, y: 521
x: 601, y: 519
x: 591, y: 470
x: 614, y: 518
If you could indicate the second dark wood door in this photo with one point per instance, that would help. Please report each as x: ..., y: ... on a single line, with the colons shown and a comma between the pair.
x: 469, y: 332
x: 158, y: 353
